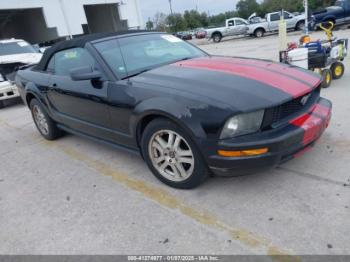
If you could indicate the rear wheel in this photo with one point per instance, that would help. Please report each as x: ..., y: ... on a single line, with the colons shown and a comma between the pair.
x: 337, y: 70
x: 327, y: 78
x: 45, y: 125
x: 217, y: 37
x: 259, y: 33
x: 172, y: 156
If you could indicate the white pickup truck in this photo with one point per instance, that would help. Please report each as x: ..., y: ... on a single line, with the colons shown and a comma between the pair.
x: 271, y: 21
x: 234, y: 26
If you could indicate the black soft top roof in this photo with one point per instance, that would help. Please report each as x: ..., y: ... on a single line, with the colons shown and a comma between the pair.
x: 78, y: 42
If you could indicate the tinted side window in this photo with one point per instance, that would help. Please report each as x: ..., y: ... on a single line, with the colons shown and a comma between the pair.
x: 275, y: 17
x: 240, y: 22
x: 69, y: 59
x: 111, y: 53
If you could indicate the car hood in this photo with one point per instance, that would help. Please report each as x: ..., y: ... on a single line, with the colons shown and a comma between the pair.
x: 244, y: 84
x: 26, y: 58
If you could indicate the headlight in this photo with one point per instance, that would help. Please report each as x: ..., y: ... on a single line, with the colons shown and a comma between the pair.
x: 243, y: 124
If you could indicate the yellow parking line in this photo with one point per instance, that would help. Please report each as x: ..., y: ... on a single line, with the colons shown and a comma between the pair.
x: 165, y: 199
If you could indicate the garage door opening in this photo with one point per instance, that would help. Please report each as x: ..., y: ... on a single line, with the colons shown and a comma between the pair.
x: 27, y: 24
x: 103, y: 18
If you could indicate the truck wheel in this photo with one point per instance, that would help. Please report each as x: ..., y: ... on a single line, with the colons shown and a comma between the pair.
x: 327, y: 78
x: 337, y: 70
x: 217, y: 37
x: 300, y: 26
x: 259, y: 33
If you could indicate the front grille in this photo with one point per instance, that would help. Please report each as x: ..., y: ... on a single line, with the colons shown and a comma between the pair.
x: 278, y: 114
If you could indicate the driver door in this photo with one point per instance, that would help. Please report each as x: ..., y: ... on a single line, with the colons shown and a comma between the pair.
x: 231, y: 30
x: 241, y: 27
x: 274, y: 21
x: 80, y: 105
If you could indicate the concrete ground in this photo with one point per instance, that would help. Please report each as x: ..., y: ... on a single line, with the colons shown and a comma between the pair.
x: 74, y: 196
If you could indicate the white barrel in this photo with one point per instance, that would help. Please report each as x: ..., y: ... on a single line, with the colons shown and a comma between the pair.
x: 299, y: 57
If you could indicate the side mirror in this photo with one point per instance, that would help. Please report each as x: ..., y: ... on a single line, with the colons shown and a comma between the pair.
x: 84, y: 73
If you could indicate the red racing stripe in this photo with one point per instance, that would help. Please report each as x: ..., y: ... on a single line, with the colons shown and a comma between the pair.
x: 312, y: 125
x: 283, y: 83
x: 278, y: 68
x: 320, y: 110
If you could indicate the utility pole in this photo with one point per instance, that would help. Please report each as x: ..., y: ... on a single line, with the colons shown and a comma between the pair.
x: 306, y: 6
x: 171, y: 7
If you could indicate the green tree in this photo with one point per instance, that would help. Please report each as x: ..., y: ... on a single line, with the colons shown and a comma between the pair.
x: 246, y: 7
x: 176, y: 23
x: 268, y: 6
x: 219, y: 20
x: 149, y: 24
x: 193, y: 19
x: 318, y: 4
x: 204, y: 19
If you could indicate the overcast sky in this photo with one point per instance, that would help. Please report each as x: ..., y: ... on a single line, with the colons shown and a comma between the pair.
x: 150, y: 7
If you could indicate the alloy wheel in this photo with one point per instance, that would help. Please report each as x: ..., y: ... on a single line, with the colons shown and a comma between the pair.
x: 40, y: 120
x: 171, y: 155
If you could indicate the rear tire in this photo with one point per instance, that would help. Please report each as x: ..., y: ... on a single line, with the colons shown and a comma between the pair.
x: 258, y: 33
x: 43, y: 122
x: 217, y: 38
x: 337, y: 69
x: 172, y: 156
x: 327, y: 78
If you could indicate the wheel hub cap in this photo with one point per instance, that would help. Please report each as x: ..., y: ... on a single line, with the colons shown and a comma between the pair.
x: 171, y: 155
x: 338, y: 70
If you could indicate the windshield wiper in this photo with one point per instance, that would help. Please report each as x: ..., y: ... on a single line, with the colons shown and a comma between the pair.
x: 185, y: 58
x: 136, y: 74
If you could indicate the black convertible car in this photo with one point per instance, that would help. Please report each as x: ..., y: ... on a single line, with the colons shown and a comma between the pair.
x: 189, y: 114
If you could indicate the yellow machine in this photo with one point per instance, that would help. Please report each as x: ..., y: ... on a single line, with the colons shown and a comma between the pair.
x: 320, y: 56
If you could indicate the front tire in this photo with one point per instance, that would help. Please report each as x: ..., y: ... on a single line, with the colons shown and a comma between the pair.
x: 337, y: 69
x: 327, y: 78
x: 45, y: 125
x: 300, y: 26
x: 172, y: 156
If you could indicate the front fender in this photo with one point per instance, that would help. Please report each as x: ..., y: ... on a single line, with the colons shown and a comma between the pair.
x: 31, y: 89
x: 183, y: 115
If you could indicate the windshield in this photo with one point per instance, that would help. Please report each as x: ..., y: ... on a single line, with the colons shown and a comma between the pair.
x: 139, y: 53
x: 11, y: 48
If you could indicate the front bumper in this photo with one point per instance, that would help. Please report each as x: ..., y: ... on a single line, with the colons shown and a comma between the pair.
x: 291, y: 140
x: 8, y: 91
